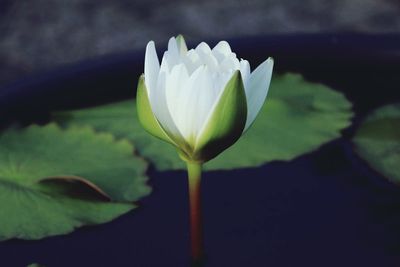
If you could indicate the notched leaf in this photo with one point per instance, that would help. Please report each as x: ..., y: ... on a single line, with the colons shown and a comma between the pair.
x: 297, y: 118
x: 377, y: 141
x: 74, y: 186
x: 107, y: 179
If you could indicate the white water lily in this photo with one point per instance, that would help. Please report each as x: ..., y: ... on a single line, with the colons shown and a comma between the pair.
x: 200, y: 100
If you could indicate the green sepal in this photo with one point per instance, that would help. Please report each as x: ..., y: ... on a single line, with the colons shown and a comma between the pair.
x: 226, y: 123
x: 146, y: 115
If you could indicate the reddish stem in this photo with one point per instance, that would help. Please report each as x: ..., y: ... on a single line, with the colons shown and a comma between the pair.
x: 194, y: 172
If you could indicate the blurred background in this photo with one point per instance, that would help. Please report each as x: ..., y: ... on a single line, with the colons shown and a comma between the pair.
x: 38, y: 35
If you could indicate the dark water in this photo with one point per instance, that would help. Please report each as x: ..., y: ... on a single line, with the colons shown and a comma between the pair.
x: 326, y: 208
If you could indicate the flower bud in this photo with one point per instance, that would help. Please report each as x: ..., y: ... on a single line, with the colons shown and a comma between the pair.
x: 200, y: 100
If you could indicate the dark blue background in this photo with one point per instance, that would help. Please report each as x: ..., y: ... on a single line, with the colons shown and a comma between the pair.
x: 326, y: 208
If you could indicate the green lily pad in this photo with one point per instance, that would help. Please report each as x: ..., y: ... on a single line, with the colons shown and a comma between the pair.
x: 53, y: 181
x: 377, y: 141
x: 297, y: 118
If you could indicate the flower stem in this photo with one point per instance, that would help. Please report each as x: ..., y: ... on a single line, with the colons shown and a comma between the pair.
x: 194, y: 172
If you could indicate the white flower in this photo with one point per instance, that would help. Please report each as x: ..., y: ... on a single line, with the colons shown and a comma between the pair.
x: 201, y: 100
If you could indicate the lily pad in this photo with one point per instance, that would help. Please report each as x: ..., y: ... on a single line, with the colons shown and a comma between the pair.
x: 377, y: 141
x: 297, y: 118
x: 53, y: 181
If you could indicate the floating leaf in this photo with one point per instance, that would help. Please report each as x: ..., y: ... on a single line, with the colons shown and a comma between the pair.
x: 378, y: 141
x: 121, y: 120
x: 50, y: 180
x: 297, y: 118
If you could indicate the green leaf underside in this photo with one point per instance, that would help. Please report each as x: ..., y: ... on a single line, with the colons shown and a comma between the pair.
x: 377, y: 141
x: 32, y: 209
x: 297, y: 118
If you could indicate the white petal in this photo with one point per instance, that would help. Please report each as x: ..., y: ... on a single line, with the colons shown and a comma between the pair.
x: 180, y: 41
x: 159, y: 106
x: 173, y: 53
x: 221, y: 50
x: 205, y: 98
x: 257, y: 89
x: 164, y: 63
x: 219, y: 85
x: 182, y: 116
x: 175, y: 83
x: 206, y: 56
x: 151, y: 67
x: 229, y: 63
x: 221, y: 80
x: 203, y: 47
x: 191, y: 60
x: 245, y: 71
x: 195, y: 102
